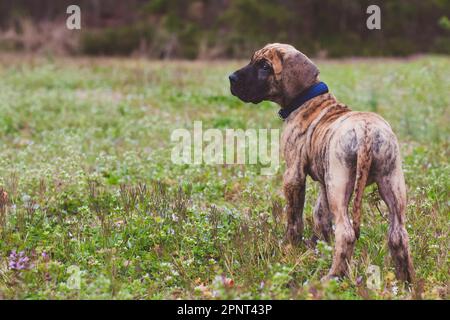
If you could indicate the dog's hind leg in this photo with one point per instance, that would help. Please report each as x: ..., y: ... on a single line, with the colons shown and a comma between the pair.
x: 322, y: 218
x: 393, y: 192
x: 339, y: 189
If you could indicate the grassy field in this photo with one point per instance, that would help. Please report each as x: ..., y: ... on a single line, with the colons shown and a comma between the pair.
x: 90, y: 193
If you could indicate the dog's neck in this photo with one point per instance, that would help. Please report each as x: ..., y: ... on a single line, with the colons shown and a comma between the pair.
x: 316, y: 89
x: 322, y: 108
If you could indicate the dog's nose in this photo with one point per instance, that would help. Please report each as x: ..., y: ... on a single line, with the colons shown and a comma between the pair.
x: 233, y: 77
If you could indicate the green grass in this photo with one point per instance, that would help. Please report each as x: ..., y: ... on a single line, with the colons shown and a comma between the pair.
x: 85, y: 161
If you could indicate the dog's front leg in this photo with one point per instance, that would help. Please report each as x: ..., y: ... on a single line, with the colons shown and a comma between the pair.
x: 294, y: 191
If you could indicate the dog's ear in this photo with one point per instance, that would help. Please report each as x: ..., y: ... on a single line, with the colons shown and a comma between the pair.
x: 298, y: 72
x: 275, y: 55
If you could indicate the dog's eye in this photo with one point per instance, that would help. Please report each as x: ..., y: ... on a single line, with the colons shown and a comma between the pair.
x: 266, y: 66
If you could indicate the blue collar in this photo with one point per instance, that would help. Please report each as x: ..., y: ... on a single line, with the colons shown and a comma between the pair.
x: 312, y: 92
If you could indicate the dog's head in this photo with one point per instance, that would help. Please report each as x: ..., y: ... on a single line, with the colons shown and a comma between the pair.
x: 278, y: 72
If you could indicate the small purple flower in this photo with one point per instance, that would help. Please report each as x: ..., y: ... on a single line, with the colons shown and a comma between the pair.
x: 19, y: 261
x: 12, y: 260
x: 45, y: 256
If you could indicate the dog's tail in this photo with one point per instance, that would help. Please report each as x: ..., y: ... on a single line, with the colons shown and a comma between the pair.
x: 363, y: 163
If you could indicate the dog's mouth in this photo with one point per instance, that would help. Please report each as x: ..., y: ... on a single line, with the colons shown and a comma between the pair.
x: 234, y: 91
x: 244, y: 95
x: 239, y: 93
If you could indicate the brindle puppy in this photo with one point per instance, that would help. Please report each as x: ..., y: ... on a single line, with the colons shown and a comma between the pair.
x: 343, y: 150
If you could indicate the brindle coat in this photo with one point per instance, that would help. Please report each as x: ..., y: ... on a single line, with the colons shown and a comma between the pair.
x: 343, y: 150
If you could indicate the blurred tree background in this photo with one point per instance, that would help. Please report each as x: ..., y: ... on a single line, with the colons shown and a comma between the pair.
x: 207, y: 29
